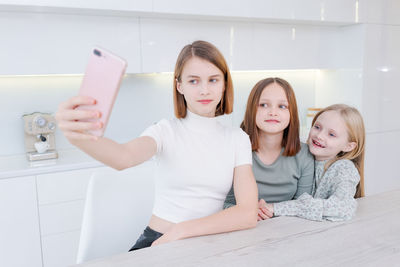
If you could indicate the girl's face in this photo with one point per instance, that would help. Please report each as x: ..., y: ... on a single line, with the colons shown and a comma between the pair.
x: 202, y: 85
x: 273, y: 114
x: 328, y: 137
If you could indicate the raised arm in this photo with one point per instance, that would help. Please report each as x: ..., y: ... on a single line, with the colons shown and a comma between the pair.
x: 241, y: 216
x: 109, y: 152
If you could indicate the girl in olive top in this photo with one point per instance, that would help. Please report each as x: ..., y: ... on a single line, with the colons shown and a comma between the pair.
x: 282, y: 165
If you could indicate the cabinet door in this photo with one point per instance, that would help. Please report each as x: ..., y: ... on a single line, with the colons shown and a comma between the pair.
x: 345, y: 11
x: 60, y: 250
x: 19, y: 223
x: 163, y: 39
x: 61, y: 187
x: 61, y: 198
x: 49, y: 43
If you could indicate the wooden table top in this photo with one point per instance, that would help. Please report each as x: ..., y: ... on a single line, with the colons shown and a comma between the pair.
x: 371, y: 238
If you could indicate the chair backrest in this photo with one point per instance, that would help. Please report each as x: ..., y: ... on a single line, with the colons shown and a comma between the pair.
x: 117, y: 209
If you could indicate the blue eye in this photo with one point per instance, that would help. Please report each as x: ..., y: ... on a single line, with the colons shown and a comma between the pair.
x: 317, y: 127
x: 193, y: 81
x: 213, y: 80
x: 263, y: 105
x: 283, y: 106
x: 332, y: 135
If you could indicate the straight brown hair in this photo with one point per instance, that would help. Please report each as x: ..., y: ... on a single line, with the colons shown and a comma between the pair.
x: 356, y: 131
x: 291, y: 139
x: 209, y: 52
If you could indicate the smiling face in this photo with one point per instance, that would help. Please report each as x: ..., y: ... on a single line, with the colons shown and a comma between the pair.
x: 202, y: 85
x: 273, y: 114
x: 328, y: 136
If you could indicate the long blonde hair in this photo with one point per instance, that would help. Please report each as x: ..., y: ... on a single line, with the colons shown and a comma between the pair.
x: 356, y: 131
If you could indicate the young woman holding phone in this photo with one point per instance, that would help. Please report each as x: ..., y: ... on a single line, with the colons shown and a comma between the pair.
x: 198, y: 159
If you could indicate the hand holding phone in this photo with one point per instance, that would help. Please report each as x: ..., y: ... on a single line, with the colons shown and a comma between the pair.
x: 101, y: 81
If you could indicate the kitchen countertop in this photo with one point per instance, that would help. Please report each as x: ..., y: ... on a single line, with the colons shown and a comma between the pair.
x: 371, y: 238
x: 18, y: 165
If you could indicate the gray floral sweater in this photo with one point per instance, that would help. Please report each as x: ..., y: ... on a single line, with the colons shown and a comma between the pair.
x: 333, y: 194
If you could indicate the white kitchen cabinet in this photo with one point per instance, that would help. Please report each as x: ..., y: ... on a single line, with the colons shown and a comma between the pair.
x: 19, y: 223
x: 61, y: 198
x: 225, y: 8
x: 60, y: 250
x: 61, y: 217
x: 58, y: 38
x: 338, y: 11
x: 261, y: 46
x: 60, y: 187
x: 48, y: 43
x: 163, y: 39
x: 253, y: 46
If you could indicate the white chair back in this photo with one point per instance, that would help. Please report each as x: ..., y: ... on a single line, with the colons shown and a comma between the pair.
x: 117, y: 209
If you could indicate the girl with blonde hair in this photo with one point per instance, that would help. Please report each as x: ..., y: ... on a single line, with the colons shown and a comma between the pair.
x: 337, y: 140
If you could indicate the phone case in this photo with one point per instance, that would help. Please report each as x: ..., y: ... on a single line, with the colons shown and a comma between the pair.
x: 101, y: 81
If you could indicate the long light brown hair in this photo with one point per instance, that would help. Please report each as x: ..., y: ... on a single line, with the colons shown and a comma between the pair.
x: 356, y: 132
x: 209, y: 52
x: 291, y: 139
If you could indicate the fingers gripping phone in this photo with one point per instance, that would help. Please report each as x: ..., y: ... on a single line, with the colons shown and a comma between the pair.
x: 101, y: 81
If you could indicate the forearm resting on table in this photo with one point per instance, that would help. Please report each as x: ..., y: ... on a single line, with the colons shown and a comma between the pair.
x: 228, y: 220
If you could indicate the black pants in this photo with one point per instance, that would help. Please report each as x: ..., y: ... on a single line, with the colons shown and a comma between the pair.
x: 146, y: 239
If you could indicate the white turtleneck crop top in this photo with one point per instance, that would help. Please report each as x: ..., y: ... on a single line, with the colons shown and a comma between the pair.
x: 196, y: 157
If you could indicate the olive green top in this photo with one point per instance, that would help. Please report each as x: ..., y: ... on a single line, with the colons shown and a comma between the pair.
x: 285, y: 179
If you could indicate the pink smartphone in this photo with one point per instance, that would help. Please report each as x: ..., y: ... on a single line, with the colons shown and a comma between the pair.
x: 101, y: 81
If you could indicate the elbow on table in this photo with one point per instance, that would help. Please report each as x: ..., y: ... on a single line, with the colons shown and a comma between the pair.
x: 249, y: 218
x: 252, y: 223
